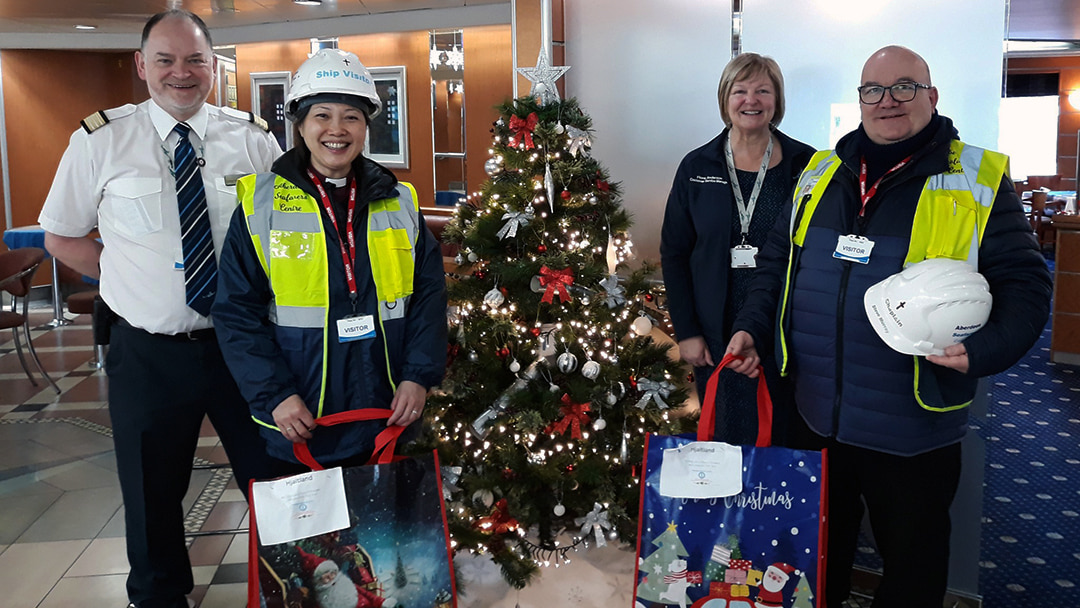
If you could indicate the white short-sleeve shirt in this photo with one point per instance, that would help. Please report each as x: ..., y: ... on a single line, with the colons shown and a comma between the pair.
x: 118, y: 179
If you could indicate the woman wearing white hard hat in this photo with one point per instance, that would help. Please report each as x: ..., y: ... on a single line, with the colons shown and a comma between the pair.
x: 725, y: 197
x: 331, y: 294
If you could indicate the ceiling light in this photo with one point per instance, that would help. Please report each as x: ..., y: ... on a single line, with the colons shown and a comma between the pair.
x: 308, y: 2
x: 86, y: 27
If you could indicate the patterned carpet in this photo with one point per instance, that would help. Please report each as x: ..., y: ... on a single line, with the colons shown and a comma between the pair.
x: 1031, y: 505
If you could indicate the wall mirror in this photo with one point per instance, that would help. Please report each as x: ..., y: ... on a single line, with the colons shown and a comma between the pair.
x: 448, y: 115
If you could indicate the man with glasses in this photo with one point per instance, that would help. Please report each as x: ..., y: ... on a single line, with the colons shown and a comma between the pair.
x: 900, y: 189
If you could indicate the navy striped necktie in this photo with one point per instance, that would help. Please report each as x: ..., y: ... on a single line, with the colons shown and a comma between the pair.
x: 200, y: 268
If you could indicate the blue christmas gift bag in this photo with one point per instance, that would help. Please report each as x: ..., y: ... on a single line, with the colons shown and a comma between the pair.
x: 387, y: 546
x: 725, y: 526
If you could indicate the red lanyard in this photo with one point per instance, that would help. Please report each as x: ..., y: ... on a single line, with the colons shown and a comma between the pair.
x: 869, y: 194
x: 347, y: 257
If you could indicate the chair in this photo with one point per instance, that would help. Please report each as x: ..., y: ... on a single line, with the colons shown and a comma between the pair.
x: 17, y: 268
x: 1044, y: 231
x: 83, y: 303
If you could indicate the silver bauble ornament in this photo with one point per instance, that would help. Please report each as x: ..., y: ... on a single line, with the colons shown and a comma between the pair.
x: 473, y: 356
x: 590, y: 370
x: 494, y: 298
x: 553, y: 387
x: 585, y: 300
x: 567, y: 362
x: 611, y: 399
x: 484, y: 497
x: 600, y: 424
x: 515, y: 367
x: 473, y: 257
x: 560, y: 129
x: 492, y: 167
x: 559, y: 510
x: 459, y: 259
x: 641, y: 326
x: 535, y: 285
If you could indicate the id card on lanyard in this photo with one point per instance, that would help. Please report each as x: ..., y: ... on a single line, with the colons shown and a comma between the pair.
x: 744, y: 255
x: 353, y: 326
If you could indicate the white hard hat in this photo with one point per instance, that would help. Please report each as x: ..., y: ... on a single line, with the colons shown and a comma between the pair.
x: 929, y: 306
x: 333, y: 72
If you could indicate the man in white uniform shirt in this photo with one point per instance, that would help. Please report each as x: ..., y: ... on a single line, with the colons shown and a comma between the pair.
x: 164, y: 366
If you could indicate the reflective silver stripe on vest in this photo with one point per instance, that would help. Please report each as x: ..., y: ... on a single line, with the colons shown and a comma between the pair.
x: 408, y: 219
x: 310, y: 317
x: 259, y: 220
x: 970, y: 161
x: 807, y: 176
x: 296, y: 221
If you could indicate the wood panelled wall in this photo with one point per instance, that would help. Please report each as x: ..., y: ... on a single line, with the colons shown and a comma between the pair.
x: 489, y: 81
x: 1068, y: 69
x: 46, y: 94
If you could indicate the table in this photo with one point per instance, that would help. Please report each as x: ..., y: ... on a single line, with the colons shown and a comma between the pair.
x: 1065, y: 323
x: 34, y: 236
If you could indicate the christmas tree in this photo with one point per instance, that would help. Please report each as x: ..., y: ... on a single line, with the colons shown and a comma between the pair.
x: 552, y: 379
x: 804, y: 595
x: 658, y: 563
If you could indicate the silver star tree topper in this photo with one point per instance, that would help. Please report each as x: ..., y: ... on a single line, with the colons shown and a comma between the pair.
x: 543, y: 77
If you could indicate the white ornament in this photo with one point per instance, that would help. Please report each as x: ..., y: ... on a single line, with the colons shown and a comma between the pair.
x: 485, y: 497
x: 515, y: 367
x: 600, y: 424
x: 559, y: 510
x: 473, y: 257
x: 559, y: 128
x: 641, y: 326
x: 611, y: 399
x: 494, y: 298
x: 553, y: 387
x: 590, y: 370
x: 567, y: 362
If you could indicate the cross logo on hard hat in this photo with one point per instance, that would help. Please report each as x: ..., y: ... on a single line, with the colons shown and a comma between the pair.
x: 346, y: 61
x: 900, y: 305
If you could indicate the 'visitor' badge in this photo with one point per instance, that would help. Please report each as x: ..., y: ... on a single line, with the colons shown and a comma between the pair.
x: 360, y: 327
x: 853, y: 248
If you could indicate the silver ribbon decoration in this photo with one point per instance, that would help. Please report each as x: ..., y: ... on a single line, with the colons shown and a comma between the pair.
x: 480, y: 425
x: 579, y: 139
x: 549, y: 183
x: 596, y: 522
x: 516, y: 218
x: 615, y: 295
x: 654, y: 390
x: 450, y: 477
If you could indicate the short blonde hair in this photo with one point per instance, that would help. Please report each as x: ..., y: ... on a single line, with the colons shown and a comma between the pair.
x: 743, y: 67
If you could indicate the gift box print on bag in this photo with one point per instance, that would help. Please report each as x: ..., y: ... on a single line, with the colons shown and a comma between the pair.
x: 394, y: 553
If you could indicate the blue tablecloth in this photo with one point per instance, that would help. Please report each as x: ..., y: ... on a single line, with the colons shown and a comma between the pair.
x: 25, y: 236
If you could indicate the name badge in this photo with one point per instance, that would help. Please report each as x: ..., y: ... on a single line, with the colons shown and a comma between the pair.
x: 744, y: 256
x: 853, y: 248
x: 361, y: 327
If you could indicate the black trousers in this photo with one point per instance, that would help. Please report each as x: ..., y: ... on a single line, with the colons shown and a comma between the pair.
x: 908, y: 500
x: 160, y: 388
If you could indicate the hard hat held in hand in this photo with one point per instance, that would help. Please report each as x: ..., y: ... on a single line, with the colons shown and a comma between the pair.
x: 929, y: 306
x: 332, y: 71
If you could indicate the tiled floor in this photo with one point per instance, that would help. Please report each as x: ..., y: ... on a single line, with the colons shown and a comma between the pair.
x: 61, y: 517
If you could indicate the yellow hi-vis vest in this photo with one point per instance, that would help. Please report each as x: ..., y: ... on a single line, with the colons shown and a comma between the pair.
x: 286, y: 230
x: 949, y: 221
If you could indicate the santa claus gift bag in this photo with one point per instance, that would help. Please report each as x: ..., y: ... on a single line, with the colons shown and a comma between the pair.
x: 724, y: 526
x: 371, y: 536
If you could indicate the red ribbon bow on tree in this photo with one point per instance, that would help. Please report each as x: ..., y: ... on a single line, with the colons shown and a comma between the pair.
x: 499, y: 522
x: 523, y: 128
x: 556, y: 282
x: 574, y: 415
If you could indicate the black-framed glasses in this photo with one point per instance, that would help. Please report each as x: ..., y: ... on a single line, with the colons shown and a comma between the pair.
x: 901, y: 92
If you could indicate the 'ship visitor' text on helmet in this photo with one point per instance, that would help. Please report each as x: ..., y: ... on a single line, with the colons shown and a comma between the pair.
x: 929, y: 306
x: 332, y: 71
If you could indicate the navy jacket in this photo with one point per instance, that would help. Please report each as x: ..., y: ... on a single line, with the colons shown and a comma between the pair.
x: 267, y: 372
x: 848, y: 383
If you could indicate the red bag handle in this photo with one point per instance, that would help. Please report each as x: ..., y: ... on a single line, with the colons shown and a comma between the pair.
x: 385, y: 441
x: 707, y: 422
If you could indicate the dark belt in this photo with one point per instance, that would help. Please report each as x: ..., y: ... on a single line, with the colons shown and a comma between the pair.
x: 187, y: 336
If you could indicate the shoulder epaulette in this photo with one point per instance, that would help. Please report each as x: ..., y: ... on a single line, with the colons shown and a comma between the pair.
x: 246, y: 116
x: 103, y: 117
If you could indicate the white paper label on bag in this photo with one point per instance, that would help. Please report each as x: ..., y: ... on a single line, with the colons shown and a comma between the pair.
x: 301, y: 506
x: 702, y: 469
